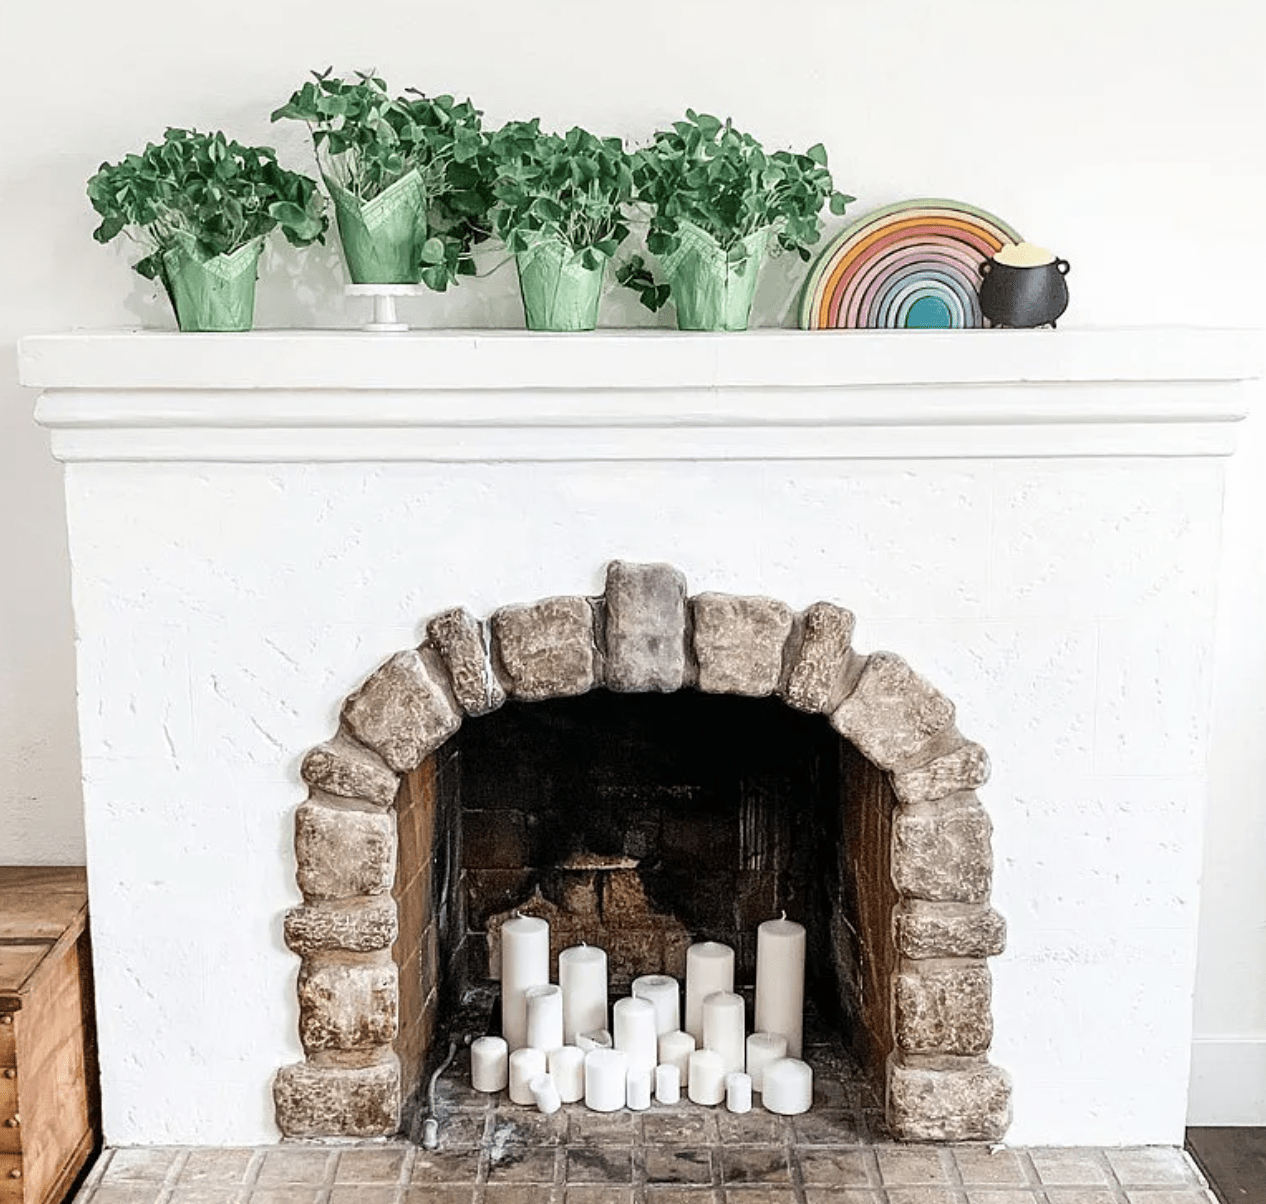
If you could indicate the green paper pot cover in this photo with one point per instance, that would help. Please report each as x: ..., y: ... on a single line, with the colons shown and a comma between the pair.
x: 216, y: 293
x: 711, y: 293
x: 382, y: 239
x: 559, y: 292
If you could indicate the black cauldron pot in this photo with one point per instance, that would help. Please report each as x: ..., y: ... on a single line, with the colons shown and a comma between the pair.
x: 1033, y: 296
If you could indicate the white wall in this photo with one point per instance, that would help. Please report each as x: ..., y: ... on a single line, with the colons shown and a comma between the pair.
x: 1128, y: 137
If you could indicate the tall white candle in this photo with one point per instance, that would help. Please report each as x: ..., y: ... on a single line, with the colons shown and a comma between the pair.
x: 582, y: 975
x: 635, y: 1033
x: 665, y: 993
x: 525, y: 1065
x: 780, y: 981
x: 544, y: 1017
x: 675, y: 1050
x: 545, y: 1093
x: 707, y: 1077
x: 763, y: 1048
x: 724, y: 1028
x: 738, y: 1092
x: 788, y: 1087
x: 606, y: 1075
x: 709, y: 967
x: 567, y: 1069
x: 489, y: 1064
x: 667, y: 1084
x: 524, y: 963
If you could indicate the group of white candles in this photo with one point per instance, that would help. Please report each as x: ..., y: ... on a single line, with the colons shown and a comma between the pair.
x: 556, y: 1046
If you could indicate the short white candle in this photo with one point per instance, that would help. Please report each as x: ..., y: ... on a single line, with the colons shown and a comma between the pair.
x: 638, y: 1090
x: 667, y: 1084
x: 489, y: 1064
x: 675, y: 1050
x: 545, y: 1093
x: 665, y: 993
x: 723, y: 1028
x: 634, y: 1033
x: 525, y: 1065
x: 788, y: 1087
x: 763, y: 1048
x: 606, y: 1075
x: 780, y: 981
x: 582, y: 975
x: 738, y: 1092
x: 707, y: 1077
x: 596, y: 1040
x: 567, y: 1069
x: 524, y: 963
x: 709, y: 967
x: 544, y: 1017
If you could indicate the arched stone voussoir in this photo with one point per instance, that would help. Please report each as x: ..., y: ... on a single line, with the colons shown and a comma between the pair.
x: 820, y: 667
x: 963, y: 768
x: 739, y: 643
x: 339, y: 1101
x: 345, y: 768
x: 459, y: 638
x: 546, y: 649
x: 645, y: 629
x: 348, y: 1002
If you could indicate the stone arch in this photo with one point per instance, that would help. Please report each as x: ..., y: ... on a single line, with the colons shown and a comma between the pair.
x: 645, y: 633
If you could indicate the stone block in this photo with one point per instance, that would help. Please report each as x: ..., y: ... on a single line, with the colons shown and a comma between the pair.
x: 892, y: 712
x: 739, y: 642
x: 947, y: 1100
x: 343, y: 853
x: 965, y: 768
x: 405, y: 709
x: 343, y: 767
x: 645, y: 627
x: 943, y: 1009
x: 358, y: 927
x: 336, y: 1101
x: 459, y: 638
x: 546, y: 648
x: 941, y: 851
x: 819, y: 665
x: 348, y: 1005
x: 928, y: 930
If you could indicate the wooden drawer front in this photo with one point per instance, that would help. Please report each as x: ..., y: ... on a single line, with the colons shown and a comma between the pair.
x: 10, y: 1130
x: 8, y: 1039
x: 11, y: 1180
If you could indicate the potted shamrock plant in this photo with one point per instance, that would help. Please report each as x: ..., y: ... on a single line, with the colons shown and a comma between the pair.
x: 719, y: 203
x: 559, y: 206
x: 404, y: 174
x: 201, y: 206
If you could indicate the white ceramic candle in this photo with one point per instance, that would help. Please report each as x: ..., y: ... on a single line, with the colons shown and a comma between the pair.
x: 665, y: 993
x: 606, y: 1075
x: 525, y: 1065
x: 788, y: 1087
x: 738, y: 1092
x: 634, y: 1034
x: 763, y: 1048
x: 707, y: 1077
x: 597, y: 1040
x: 545, y: 1093
x: 489, y: 1064
x: 567, y: 1069
x: 724, y: 1027
x: 544, y: 1017
x: 667, y: 1084
x: 524, y: 963
x: 780, y: 981
x: 675, y: 1050
x: 582, y: 975
x: 709, y: 967
x: 638, y: 1090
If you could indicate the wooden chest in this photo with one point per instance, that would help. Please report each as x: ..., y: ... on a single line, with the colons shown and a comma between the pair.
x: 48, y: 1094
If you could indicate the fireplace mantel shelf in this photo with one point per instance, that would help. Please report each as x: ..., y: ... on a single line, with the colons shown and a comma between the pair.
x: 295, y: 396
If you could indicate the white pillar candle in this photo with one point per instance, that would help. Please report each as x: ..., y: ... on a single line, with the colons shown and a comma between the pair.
x: 524, y: 963
x: 567, y: 1068
x: 724, y: 1026
x: 525, y: 1065
x: 763, y: 1048
x: 788, y: 1087
x: 582, y: 975
x: 675, y: 1050
x: 668, y: 1084
x: 544, y: 1017
x: 738, y: 1092
x: 665, y: 993
x: 709, y: 967
x: 596, y: 1040
x: 489, y: 1064
x: 545, y: 1093
x: 780, y: 981
x: 638, y: 1090
x: 634, y: 1033
x: 707, y: 1077
x: 606, y: 1075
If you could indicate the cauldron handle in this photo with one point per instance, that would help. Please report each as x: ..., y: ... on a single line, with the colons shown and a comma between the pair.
x: 986, y: 266
x: 1062, y: 266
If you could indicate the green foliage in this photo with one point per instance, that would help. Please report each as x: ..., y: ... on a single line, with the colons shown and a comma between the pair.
x: 205, y: 194
x: 571, y: 187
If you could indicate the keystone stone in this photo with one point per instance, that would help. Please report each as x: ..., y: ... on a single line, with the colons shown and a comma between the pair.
x: 927, y: 930
x: 945, y: 1010
x: 343, y: 767
x: 348, y: 1006
x: 361, y: 927
x: 646, y: 627
x: 948, y: 1102
x: 336, y: 1101
x: 460, y: 640
x: 342, y: 853
x: 892, y: 712
x: 941, y: 852
x: 966, y: 768
x: 815, y: 683
x: 546, y: 648
x: 739, y: 643
x: 405, y: 709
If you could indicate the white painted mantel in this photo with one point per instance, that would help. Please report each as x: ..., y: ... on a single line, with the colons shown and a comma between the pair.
x: 256, y: 521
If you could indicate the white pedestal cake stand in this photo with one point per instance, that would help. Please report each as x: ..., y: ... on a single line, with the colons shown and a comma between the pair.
x: 384, y: 295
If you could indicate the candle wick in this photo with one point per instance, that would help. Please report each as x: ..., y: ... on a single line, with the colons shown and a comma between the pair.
x: 784, y: 914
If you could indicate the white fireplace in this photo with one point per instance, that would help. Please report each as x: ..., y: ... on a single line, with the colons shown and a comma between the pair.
x: 257, y: 522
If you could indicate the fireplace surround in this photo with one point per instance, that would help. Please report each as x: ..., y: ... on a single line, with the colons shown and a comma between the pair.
x: 1031, y: 519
